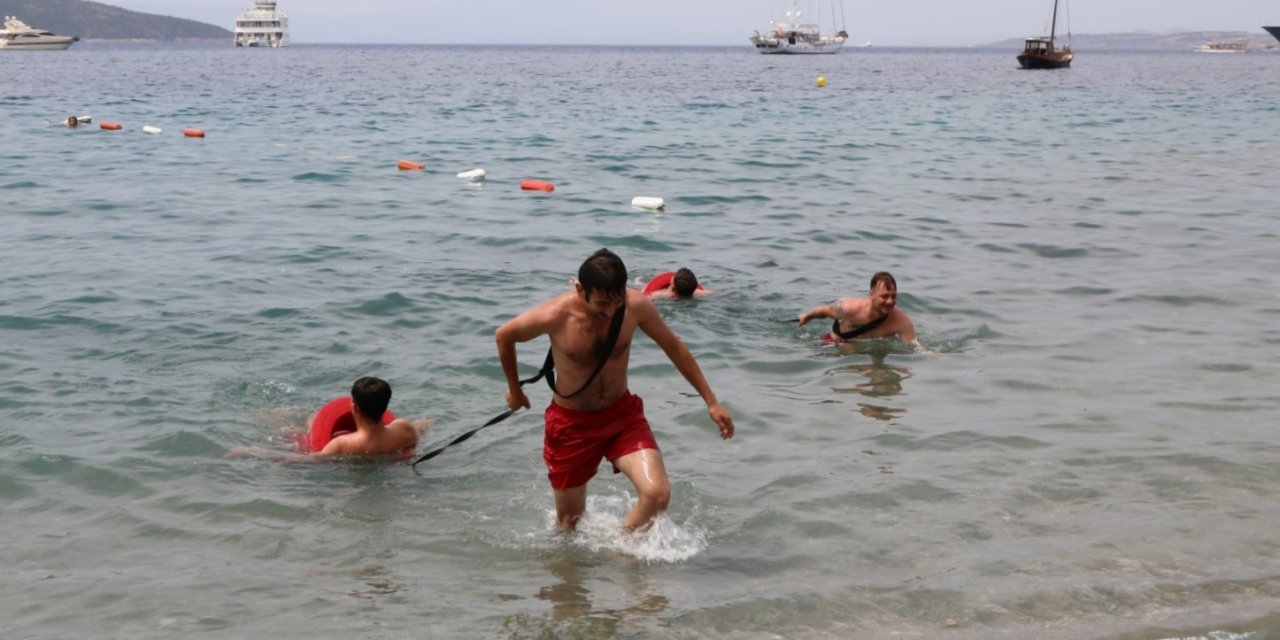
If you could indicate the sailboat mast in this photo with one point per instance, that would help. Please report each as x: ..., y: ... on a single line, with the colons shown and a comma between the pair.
x: 1053, y: 26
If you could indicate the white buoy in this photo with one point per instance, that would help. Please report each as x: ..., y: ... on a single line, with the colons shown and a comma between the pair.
x: 84, y: 119
x: 474, y: 174
x: 152, y: 131
x: 651, y: 203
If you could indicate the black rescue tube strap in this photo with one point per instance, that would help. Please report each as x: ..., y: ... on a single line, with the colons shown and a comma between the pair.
x: 548, y: 372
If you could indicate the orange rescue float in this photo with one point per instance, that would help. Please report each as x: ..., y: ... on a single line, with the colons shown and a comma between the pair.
x: 537, y: 185
x: 193, y: 133
x: 111, y: 126
x: 409, y: 165
x: 334, y: 420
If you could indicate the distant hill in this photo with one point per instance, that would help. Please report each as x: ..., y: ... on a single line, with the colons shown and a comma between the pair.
x: 1153, y: 41
x: 97, y: 21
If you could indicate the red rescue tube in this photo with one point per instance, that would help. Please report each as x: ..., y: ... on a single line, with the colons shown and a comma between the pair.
x: 193, y: 133
x: 409, y: 165
x: 111, y: 126
x: 334, y: 420
x: 537, y: 185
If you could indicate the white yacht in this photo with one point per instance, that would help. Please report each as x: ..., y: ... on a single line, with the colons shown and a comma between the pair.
x: 18, y: 36
x: 793, y: 37
x: 262, y: 25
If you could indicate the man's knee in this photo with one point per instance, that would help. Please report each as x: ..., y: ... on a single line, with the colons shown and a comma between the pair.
x: 655, y: 493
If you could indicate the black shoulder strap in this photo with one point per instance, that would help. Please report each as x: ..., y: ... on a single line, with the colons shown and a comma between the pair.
x: 858, y: 330
x: 548, y: 370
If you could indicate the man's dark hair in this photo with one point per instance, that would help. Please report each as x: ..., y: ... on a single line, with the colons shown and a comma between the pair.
x: 886, y: 278
x: 371, y: 396
x: 685, y: 283
x: 603, y: 272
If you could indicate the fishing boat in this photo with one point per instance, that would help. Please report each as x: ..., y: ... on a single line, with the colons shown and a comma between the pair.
x: 794, y: 36
x: 1041, y: 53
x: 17, y: 36
x: 262, y: 25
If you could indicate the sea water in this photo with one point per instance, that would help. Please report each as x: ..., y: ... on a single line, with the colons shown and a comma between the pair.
x: 1084, y: 446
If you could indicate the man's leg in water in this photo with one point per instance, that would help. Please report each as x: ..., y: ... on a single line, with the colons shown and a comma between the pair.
x: 645, y: 470
x: 570, y: 503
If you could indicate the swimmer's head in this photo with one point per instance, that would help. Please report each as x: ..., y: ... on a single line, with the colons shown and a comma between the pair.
x: 684, y: 283
x: 73, y: 121
x: 371, y: 396
x: 603, y: 273
x: 884, y: 292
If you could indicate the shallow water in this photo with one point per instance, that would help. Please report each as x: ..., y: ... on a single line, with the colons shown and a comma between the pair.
x: 1082, y: 450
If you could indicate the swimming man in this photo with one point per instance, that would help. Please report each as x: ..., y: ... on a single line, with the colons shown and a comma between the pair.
x: 674, y: 284
x: 876, y: 316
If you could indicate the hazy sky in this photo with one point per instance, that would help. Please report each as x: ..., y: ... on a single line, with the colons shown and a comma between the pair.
x: 714, y: 22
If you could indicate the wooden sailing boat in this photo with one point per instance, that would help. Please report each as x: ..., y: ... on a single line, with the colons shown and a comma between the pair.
x: 1039, y: 52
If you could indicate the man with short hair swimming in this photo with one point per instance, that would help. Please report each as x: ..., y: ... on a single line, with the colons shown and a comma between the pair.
x: 369, y: 399
x: 674, y: 284
x: 876, y: 316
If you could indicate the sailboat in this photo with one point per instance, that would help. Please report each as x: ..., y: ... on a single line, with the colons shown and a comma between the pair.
x: 793, y: 37
x: 1039, y: 52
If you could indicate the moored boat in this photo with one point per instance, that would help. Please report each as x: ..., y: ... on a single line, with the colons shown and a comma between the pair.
x: 18, y: 36
x: 262, y: 25
x: 1041, y: 53
x: 793, y: 36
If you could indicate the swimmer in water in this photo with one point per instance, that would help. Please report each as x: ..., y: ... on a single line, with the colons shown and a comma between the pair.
x: 679, y: 285
x: 369, y: 399
x: 875, y: 316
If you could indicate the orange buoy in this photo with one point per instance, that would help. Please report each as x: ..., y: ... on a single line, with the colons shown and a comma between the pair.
x: 111, y: 126
x: 409, y: 165
x: 193, y: 133
x: 537, y: 185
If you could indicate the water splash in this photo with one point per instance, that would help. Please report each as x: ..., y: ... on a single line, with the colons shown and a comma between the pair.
x: 600, y: 529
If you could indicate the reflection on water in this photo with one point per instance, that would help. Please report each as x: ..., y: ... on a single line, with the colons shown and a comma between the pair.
x: 573, y: 611
x: 882, y: 381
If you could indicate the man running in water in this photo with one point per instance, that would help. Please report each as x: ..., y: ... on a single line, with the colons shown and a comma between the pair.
x: 600, y: 417
x: 876, y: 316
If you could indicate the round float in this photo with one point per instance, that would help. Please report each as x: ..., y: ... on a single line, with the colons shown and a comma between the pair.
x: 334, y: 420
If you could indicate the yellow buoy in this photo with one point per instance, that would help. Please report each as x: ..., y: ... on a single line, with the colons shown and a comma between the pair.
x: 822, y: 81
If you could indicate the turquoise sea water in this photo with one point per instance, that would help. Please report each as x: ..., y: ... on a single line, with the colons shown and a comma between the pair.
x: 1085, y: 450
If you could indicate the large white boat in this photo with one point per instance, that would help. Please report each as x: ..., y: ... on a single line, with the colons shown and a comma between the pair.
x: 262, y: 25
x: 18, y: 36
x: 794, y: 36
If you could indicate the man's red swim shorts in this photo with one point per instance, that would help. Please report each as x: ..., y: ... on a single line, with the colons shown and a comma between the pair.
x: 576, y: 441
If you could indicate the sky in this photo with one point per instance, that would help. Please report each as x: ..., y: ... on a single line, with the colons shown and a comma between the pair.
x: 919, y: 23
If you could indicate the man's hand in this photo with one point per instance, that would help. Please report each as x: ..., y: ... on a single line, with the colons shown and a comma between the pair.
x: 721, y: 417
x: 516, y: 400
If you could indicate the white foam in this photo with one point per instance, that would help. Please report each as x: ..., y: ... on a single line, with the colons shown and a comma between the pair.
x: 600, y: 529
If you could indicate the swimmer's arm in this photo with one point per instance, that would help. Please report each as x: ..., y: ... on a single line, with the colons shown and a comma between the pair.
x: 650, y: 322
x: 824, y: 311
x: 907, y: 332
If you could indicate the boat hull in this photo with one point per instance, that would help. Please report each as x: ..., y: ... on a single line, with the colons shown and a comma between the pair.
x: 1274, y: 31
x: 1045, y: 61
x: 773, y: 45
x: 46, y: 44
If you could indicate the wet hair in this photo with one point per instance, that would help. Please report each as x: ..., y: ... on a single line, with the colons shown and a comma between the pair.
x: 603, y: 272
x: 371, y: 396
x: 886, y: 278
x: 685, y: 282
